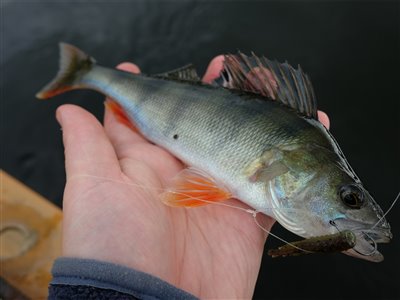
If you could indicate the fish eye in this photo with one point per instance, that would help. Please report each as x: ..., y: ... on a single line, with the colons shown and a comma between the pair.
x: 352, y: 196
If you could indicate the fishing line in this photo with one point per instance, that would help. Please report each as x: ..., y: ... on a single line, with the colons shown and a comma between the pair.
x: 160, y: 190
x: 250, y: 211
x: 254, y: 212
x: 375, y: 246
x: 116, y: 181
x: 389, y: 209
x: 212, y: 202
x: 332, y: 222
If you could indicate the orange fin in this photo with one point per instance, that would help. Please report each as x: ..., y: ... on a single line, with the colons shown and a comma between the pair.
x: 192, y: 187
x: 120, y: 114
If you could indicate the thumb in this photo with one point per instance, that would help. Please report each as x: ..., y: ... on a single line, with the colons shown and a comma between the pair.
x: 88, y: 150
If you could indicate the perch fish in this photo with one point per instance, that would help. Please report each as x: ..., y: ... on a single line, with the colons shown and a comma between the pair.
x: 252, y: 135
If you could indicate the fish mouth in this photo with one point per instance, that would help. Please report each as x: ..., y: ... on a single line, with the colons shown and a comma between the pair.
x: 367, y: 239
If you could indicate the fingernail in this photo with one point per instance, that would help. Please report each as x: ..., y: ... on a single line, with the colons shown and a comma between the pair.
x: 59, y: 116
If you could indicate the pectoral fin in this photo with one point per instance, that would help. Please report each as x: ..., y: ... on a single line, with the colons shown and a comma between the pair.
x: 267, y: 167
x: 192, y: 187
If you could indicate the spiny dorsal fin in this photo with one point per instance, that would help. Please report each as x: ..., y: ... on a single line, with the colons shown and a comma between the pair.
x: 271, y: 79
x: 185, y: 73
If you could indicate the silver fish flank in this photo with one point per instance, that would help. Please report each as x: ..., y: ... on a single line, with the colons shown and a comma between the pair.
x: 252, y: 135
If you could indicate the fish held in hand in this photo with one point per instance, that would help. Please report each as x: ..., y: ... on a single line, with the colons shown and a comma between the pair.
x: 252, y: 135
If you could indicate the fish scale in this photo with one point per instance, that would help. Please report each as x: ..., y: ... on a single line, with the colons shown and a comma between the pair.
x: 253, y: 136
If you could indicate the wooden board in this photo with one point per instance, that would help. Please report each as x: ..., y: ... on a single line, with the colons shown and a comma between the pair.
x: 30, y: 237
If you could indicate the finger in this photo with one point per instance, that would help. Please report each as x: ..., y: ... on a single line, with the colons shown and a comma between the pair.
x: 214, y: 69
x: 324, y: 119
x: 129, y: 67
x: 88, y: 151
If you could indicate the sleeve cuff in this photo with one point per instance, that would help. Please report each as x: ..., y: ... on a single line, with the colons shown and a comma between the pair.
x: 104, y: 275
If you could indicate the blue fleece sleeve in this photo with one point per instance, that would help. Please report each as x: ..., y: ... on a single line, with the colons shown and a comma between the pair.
x: 75, y: 278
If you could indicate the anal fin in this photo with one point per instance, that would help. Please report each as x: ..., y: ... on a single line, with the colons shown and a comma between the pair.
x: 120, y: 114
x: 192, y: 187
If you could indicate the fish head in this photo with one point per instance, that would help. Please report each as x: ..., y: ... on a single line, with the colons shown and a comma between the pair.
x: 363, y: 216
x: 330, y: 199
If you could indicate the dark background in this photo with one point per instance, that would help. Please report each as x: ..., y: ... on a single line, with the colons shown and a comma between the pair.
x: 350, y: 49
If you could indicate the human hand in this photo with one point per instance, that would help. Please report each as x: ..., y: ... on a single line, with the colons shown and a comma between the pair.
x: 113, y: 212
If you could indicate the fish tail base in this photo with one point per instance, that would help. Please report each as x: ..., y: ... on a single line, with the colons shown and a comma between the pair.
x: 74, y: 64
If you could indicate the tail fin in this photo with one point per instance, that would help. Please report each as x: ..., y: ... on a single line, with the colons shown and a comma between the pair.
x: 74, y: 64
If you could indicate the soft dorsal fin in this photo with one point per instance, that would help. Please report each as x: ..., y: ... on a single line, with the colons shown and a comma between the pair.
x: 185, y: 73
x: 271, y: 79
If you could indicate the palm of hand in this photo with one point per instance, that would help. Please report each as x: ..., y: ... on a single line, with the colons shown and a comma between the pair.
x: 117, y: 216
x: 113, y: 212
